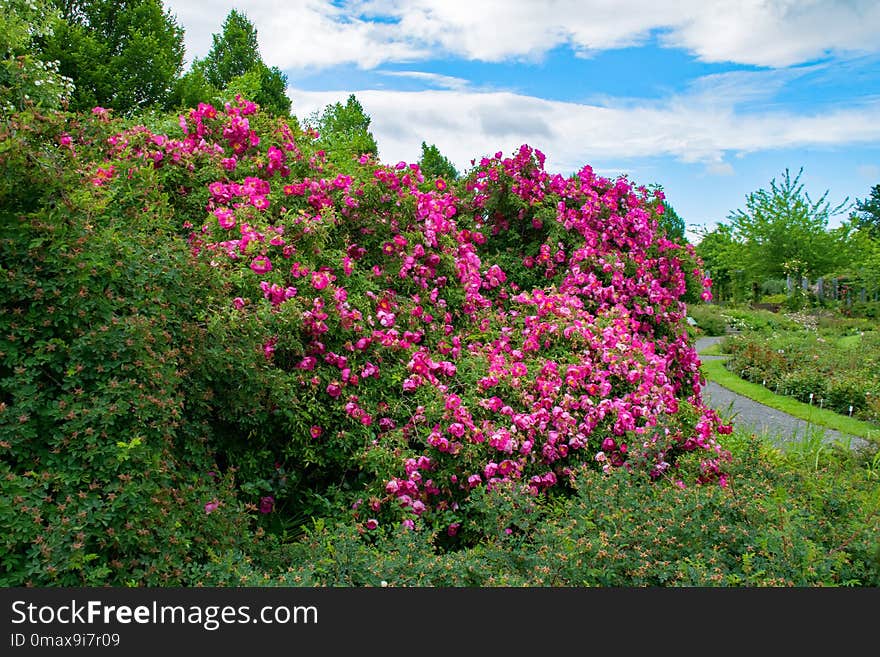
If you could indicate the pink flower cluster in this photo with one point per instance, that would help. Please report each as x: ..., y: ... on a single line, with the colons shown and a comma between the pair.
x: 509, y: 330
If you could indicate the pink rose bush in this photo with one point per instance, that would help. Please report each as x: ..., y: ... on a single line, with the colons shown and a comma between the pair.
x: 425, y: 338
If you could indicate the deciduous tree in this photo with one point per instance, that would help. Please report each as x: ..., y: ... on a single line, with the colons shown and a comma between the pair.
x: 234, y: 66
x: 26, y: 76
x: 120, y: 54
x: 784, y: 231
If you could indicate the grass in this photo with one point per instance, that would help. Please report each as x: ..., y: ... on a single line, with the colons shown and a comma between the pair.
x: 712, y: 350
x: 849, y: 341
x: 714, y: 370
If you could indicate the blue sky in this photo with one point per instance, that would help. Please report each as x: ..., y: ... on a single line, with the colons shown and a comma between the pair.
x: 709, y: 99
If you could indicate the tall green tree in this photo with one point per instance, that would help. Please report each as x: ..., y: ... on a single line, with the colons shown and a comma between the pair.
x: 434, y: 164
x: 785, y: 232
x: 868, y: 212
x: 344, y: 131
x: 234, y: 50
x: 671, y: 223
x: 722, y: 258
x: 120, y: 54
x: 234, y: 66
x: 26, y: 77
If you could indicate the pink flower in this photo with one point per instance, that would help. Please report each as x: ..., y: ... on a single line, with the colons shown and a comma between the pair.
x: 261, y: 265
x: 452, y: 530
x: 372, y: 523
x: 334, y: 390
x: 225, y: 217
x: 320, y: 280
x: 238, y: 303
x: 210, y: 507
x: 260, y: 202
x: 267, y: 504
x: 316, y: 431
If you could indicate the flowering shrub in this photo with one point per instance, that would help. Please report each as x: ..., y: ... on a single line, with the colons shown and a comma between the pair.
x: 400, y: 342
x: 106, y: 472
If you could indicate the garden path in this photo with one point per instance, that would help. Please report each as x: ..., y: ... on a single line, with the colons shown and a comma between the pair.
x: 753, y: 416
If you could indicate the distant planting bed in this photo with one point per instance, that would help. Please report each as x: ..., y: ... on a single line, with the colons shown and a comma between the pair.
x: 829, y: 372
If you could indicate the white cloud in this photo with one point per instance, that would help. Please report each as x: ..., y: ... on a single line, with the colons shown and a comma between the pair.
x: 720, y: 168
x: 315, y: 33
x: 778, y: 32
x: 298, y: 33
x: 466, y: 125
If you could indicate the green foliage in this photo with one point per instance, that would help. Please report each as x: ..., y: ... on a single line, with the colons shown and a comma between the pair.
x: 671, y: 223
x: 787, y: 525
x: 26, y: 77
x: 813, y: 368
x: 234, y: 50
x: 784, y: 231
x: 105, y: 464
x: 344, y: 132
x: 434, y: 164
x: 121, y: 55
x: 265, y: 86
x: 192, y: 88
x: 722, y: 257
x: 749, y: 319
x: 868, y: 212
x: 233, y: 67
x: 709, y: 318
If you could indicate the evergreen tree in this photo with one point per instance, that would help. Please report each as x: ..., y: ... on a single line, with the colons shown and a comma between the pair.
x: 234, y: 66
x: 436, y: 165
x: 868, y: 213
x: 671, y: 223
x: 345, y: 131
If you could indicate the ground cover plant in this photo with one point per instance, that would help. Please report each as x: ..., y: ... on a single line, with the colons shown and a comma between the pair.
x: 720, y: 319
x: 805, y: 515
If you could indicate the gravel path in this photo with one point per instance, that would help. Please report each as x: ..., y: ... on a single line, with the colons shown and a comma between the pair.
x: 749, y: 414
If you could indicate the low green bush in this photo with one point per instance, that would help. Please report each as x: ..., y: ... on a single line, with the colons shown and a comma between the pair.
x: 709, y: 318
x: 776, y: 299
x: 106, y: 475
x: 867, y: 309
x: 806, y: 518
